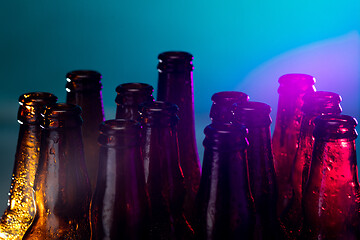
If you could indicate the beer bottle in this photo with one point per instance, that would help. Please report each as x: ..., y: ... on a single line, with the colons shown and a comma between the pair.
x: 175, y: 85
x: 315, y: 104
x: 84, y: 89
x: 224, y: 205
x: 222, y: 104
x: 331, y: 197
x: 255, y: 117
x: 287, y: 129
x: 62, y: 188
x: 163, y: 174
x: 119, y: 207
x: 129, y: 97
x: 21, y: 204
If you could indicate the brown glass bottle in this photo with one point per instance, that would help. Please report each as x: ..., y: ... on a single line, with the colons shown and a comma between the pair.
x: 255, y: 117
x: 119, y: 207
x: 62, y: 188
x: 220, y: 111
x: 129, y: 97
x: 175, y: 85
x: 84, y: 89
x: 315, y: 104
x: 163, y: 174
x: 21, y: 204
x: 224, y: 205
x: 331, y: 197
x: 287, y: 129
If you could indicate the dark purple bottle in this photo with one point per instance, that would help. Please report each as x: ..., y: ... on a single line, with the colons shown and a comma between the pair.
x: 222, y: 104
x: 224, y: 205
x: 84, y: 89
x: 175, y: 85
x: 255, y: 117
x: 163, y: 173
x: 129, y: 97
x: 119, y: 208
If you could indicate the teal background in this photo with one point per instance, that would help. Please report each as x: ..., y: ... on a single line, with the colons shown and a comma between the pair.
x: 237, y: 45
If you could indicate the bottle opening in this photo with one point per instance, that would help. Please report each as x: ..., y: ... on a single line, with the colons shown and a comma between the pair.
x: 322, y: 102
x: 134, y: 87
x: 252, y: 114
x: 37, y: 98
x: 331, y: 127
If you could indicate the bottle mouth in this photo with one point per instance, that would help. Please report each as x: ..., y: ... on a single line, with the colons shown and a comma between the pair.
x: 119, y: 133
x: 225, y: 137
x: 222, y: 102
x: 332, y: 127
x: 37, y: 98
x: 61, y: 115
x: 158, y: 113
x: 133, y: 94
x: 229, y: 97
x: 175, y: 61
x: 79, y: 75
x: 175, y: 56
x: 322, y: 102
x: 31, y: 105
x: 134, y: 88
x: 252, y: 114
x: 296, y: 82
x: 83, y: 80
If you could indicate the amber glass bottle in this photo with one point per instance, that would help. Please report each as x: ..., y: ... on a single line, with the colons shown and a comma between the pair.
x: 315, y: 104
x: 163, y: 174
x: 129, y: 97
x: 287, y: 130
x: 175, y: 85
x: 21, y: 204
x: 119, y: 207
x: 224, y: 205
x: 331, y: 197
x: 84, y: 89
x: 220, y: 111
x: 255, y: 117
x: 62, y: 188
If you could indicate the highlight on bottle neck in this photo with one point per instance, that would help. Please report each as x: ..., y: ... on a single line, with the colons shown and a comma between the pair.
x: 158, y: 113
x: 61, y: 115
x: 333, y: 127
x: 252, y: 114
x: 225, y: 137
x: 83, y: 80
x: 222, y: 103
x: 296, y: 83
x: 132, y: 94
x: 119, y: 133
x: 322, y: 102
x: 31, y: 105
x: 175, y: 61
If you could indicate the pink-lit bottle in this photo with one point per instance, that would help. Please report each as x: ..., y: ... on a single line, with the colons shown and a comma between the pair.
x: 287, y: 129
x: 331, y: 197
x: 315, y: 104
x: 175, y: 85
